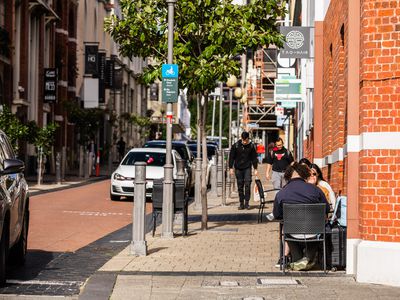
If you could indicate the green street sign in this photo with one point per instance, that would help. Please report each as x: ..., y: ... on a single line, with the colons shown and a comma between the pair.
x: 169, y: 90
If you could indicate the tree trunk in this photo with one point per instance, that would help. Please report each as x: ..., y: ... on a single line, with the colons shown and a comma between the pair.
x: 204, y: 208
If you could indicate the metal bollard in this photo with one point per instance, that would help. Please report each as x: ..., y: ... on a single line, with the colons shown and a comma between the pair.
x: 197, y: 186
x: 87, y: 165
x: 228, y: 180
x: 81, y: 161
x: 219, y: 173
x: 180, y: 166
x: 213, y: 180
x: 58, y: 167
x: 139, y: 244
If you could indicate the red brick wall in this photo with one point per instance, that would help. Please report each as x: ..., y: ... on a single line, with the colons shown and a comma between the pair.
x: 335, y: 88
x: 380, y: 112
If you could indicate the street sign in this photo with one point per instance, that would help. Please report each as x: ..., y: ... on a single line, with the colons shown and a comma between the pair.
x: 279, y: 111
x: 253, y: 125
x: 287, y: 90
x: 169, y: 73
x: 50, y: 85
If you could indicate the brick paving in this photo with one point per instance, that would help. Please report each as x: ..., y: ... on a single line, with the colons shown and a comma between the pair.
x: 233, y: 259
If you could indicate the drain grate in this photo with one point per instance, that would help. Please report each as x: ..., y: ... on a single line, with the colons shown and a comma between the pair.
x: 277, y: 281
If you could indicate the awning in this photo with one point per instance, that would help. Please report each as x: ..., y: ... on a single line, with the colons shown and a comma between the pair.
x: 45, y: 8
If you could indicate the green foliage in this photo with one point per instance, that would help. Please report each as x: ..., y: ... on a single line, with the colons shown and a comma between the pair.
x: 207, y: 35
x: 87, y: 120
x: 142, y: 123
x: 13, y: 127
x: 43, y: 137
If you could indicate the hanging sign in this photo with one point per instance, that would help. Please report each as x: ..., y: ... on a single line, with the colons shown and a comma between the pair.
x: 297, y: 42
x: 50, y: 85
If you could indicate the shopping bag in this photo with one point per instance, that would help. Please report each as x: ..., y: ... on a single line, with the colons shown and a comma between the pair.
x: 256, y: 194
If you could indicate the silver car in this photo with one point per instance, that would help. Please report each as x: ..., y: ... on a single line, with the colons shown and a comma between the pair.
x: 122, y: 180
x: 14, y: 207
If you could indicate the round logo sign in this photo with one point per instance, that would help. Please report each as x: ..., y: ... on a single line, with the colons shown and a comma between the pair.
x: 295, y: 39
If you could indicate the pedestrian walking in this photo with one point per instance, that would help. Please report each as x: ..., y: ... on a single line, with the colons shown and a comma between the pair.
x: 242, y: 157
x: 278, y: 159
x: 121, y: 148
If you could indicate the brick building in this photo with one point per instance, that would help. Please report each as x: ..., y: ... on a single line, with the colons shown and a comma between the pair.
x: 356, y: 131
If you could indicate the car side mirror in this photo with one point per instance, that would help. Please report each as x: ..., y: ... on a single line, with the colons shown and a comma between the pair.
x: 12, y: 166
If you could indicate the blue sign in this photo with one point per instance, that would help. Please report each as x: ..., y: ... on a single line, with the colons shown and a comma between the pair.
x: 169, y: 71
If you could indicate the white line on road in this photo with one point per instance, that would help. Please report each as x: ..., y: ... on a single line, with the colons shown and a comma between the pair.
x: 96, y: 213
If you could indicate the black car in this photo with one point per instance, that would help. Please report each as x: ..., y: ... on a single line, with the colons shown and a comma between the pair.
x: 212, y: 149
x: 184, y: 152
x: 14, y: 206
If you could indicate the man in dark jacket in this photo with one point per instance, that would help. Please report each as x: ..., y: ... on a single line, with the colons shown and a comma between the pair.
x: 298, y: 191
x: 242, y: 156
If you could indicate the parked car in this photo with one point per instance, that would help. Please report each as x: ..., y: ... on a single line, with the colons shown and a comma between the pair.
x: 122, y: 180
x: 184, y: 152
x: 14, y: 207
x: 212, y: 149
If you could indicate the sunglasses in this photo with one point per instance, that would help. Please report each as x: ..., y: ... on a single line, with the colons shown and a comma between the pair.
x: 313, y: 174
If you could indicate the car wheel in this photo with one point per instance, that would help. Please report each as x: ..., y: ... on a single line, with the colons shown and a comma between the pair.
x: 114, y: 197
x: 18, y: 254
x: 3, y: 255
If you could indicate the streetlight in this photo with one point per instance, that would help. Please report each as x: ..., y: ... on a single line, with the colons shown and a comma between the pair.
x: 238, y: 95
x: 168, y: 205
x: 231, y: 83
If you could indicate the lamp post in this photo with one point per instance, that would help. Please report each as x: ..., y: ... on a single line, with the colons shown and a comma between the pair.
x: 220, y: 167
x: 168, y: 205
x: 231, y: 83
x: 238, y: 95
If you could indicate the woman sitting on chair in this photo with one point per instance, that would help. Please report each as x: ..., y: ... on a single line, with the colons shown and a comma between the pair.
x: 298, y: 191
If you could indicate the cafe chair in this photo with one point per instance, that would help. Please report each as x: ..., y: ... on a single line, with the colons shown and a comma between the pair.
x: 304, y: 219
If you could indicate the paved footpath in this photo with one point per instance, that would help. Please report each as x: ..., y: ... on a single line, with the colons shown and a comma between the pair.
x: 234, y: 259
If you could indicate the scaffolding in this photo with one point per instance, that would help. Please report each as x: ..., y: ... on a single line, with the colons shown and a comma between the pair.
x: 262, y: 73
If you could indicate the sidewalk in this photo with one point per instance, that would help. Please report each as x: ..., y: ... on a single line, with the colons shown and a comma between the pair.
x: 234, y: 259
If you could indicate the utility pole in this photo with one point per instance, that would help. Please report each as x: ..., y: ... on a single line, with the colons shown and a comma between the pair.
x: 167, y: 210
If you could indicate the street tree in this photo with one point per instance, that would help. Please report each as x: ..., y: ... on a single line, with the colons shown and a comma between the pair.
x: 208, y: 35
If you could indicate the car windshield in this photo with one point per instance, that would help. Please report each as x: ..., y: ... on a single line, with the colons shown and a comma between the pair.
x: 181, y: 149
x: 211, y: 150
x: 152, y: 159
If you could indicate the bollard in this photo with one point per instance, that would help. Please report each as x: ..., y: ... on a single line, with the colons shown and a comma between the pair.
x: 63, y: 162
x: 228, y: 179
x: 223, y: 178
x: 98, y: 164
x: 180, y: 166
x: 139, y: 244
x: 58, y: 167
x: 87, y: 165
x: 213, y: 180
x: 81, y: 161
x: 197, y: 186
x: 219, y: 173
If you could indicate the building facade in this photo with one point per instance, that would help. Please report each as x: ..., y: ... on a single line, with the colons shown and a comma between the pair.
x: 355, y: 136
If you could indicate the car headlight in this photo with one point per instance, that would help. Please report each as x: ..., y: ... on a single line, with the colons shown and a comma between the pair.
x: 120, y: 177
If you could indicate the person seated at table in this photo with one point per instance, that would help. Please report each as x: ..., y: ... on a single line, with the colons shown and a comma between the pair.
x: 298, y: 191
x: 317, y: 178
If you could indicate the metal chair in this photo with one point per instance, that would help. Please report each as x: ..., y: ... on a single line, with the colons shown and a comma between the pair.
x: 304, y: 219
x: 262, y: 193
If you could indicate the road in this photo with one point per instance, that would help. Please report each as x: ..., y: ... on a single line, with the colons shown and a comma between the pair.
x: 72, y: 233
